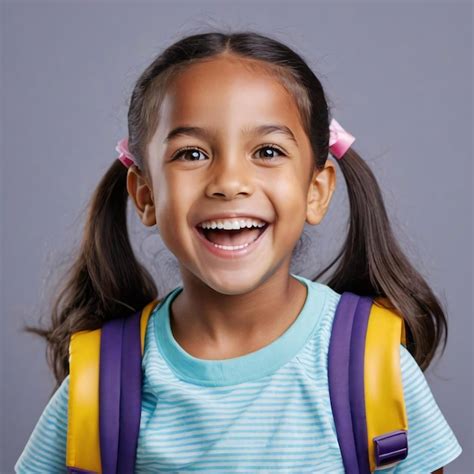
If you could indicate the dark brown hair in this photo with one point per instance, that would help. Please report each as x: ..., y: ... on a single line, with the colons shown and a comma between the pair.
x: 105, y: 279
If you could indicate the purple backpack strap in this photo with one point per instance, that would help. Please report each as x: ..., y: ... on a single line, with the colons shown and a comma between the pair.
x: 346, y: 380
x: 356, y: 381
x: 131, y: 394
x: 109, y: 393
x: 119, y: 393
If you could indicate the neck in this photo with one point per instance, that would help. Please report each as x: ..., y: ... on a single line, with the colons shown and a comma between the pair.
x: 212, y: 325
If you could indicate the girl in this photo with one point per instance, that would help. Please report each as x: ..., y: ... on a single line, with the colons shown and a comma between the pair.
x: 229, y: 129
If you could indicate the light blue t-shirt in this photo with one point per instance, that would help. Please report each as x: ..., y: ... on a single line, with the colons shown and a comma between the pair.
x: 266, y: 411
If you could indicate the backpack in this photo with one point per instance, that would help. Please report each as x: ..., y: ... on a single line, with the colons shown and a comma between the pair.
x: 364, y: 375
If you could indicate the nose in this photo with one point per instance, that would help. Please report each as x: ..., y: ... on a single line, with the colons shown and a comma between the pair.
x: 231, y: 176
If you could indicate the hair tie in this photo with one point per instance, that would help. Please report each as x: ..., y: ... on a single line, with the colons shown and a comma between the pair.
x: 124, y: 154
x: 339, y: 140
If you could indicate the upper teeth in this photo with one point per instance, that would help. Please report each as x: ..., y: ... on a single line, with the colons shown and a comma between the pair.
x: 232, y: 223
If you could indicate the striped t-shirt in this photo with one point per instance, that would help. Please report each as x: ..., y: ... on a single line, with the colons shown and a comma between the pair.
x: 266, y: 411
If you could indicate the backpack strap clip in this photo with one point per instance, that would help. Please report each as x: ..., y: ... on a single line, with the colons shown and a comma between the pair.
x: 390, y: 448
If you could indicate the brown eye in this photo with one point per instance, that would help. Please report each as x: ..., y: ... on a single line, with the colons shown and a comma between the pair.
x: 268, y: 156
x: 187, y: 152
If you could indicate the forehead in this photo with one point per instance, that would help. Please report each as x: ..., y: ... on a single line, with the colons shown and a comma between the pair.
x: 227, y: 94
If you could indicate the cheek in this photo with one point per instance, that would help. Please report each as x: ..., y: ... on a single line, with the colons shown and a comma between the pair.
x: 171, y: 197
x: 289, y: 197
x: 173, y: 202
x: 289, y: 200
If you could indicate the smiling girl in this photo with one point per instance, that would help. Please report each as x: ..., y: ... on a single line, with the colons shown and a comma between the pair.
x: 227, y: 155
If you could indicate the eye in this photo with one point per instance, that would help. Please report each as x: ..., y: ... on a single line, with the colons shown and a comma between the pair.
x: 185, y: 151
x: 270, y: 147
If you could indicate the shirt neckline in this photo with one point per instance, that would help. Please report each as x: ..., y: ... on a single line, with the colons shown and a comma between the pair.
x: 245, y: 368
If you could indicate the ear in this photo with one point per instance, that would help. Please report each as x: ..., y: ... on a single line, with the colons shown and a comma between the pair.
x: 142, y: 195
x: 320, y: 191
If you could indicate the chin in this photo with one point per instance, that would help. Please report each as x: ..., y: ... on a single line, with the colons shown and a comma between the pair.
x: 235, y: 281
x: 232, y: 282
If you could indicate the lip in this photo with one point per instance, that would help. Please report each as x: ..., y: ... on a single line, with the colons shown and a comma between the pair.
x: 231, y: 253
x: 230, y: 215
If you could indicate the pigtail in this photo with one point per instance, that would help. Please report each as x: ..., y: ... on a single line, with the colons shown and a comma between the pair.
x: 105, y: 279
x: 373, y: 264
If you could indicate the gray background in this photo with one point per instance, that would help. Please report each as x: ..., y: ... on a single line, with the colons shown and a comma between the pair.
x: 399, y: 78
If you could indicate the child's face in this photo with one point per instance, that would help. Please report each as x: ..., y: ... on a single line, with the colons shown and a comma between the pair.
x: 226, y: 172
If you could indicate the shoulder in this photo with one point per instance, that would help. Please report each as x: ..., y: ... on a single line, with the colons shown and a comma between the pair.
x: 328, y: 298
x: 45, y: 450
x: 431, y: 441
x: 324, y: 304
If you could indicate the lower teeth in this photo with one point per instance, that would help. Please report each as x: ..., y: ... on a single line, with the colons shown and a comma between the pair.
x: 230, y: 247
x: 234, y: 247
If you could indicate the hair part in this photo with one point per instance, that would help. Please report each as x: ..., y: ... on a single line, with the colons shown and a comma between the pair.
x: 106, y: 281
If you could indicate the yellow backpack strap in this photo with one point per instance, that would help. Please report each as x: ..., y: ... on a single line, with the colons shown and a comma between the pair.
x: 147, y: 310
x: 82, y: 445
x: 386, y: 416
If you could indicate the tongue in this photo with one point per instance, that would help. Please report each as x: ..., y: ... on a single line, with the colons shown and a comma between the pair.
x: 232, y: 237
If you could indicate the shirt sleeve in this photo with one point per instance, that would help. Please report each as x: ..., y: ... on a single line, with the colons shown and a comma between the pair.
x: 45, y: 450
x: 431, y: 441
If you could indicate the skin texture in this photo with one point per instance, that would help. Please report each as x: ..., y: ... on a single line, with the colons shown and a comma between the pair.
x: 247, y: 302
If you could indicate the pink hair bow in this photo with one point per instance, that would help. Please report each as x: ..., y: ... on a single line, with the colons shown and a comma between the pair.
x: 124, y: 154
x: 339, y: 140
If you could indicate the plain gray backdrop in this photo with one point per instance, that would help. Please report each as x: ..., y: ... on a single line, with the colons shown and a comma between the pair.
x: 398, y: 76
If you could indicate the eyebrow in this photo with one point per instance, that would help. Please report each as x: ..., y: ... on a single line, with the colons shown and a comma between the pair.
x: 206, y: 134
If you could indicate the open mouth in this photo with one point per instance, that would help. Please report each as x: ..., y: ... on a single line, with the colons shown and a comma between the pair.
x: 232, y: 237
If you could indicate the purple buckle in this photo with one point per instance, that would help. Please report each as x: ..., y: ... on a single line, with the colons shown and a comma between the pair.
x: 390, y: 447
